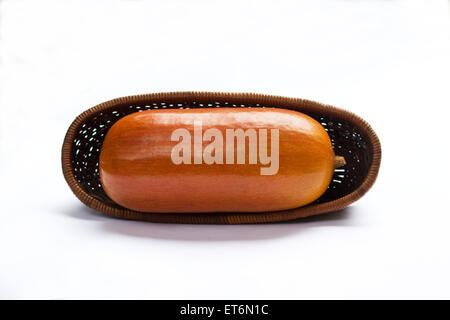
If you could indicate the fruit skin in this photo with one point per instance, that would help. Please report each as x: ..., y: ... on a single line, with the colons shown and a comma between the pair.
x: 137, y: 172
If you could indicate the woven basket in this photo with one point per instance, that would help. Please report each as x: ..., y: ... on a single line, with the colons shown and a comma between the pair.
x: 350, y: 135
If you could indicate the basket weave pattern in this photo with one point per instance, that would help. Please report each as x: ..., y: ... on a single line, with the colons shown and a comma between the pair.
x: 350, y: 136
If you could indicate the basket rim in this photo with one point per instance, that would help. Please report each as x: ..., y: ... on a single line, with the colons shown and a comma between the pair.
x: 233, y: 217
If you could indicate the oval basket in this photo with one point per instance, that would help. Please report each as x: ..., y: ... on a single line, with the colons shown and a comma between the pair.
x: 351, y: 137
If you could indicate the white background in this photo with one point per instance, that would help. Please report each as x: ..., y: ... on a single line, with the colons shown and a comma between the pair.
x: 387, y: 61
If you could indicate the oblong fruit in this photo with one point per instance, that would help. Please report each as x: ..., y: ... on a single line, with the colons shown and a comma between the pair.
x: 216, y: 160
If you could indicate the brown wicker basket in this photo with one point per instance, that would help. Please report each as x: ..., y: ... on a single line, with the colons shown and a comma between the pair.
x: 350, y: 135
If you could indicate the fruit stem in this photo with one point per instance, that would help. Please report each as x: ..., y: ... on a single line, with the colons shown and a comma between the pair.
x: 339, y: 161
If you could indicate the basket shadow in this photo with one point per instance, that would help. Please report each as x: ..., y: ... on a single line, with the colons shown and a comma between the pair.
x: 189, y: 232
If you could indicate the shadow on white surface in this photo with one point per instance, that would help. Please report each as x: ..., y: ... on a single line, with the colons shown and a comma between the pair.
x: 187, y: 232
